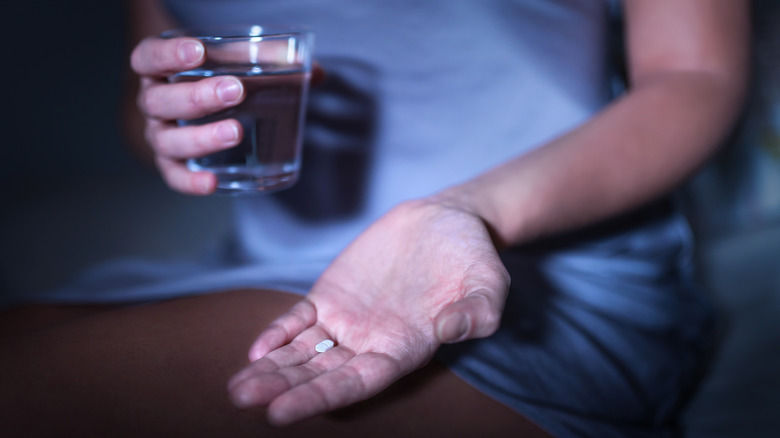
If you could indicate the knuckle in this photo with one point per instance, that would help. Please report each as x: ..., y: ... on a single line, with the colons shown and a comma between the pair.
x: 145, y: 103
x: 152, y: 136
x: 135, y: 60
x: 150, y: 101
x: 195, y: 97
x: 193, y: 141
x: 170, y: 180
x: 170, y: 175
x: 202, y: 144
x: 159, y: 54
x: 202, y: 95
x: 138, y: 55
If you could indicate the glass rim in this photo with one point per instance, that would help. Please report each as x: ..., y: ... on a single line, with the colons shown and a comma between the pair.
x: 234, y: 32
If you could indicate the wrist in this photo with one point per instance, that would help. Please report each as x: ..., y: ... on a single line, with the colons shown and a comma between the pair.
x: 468, y: 199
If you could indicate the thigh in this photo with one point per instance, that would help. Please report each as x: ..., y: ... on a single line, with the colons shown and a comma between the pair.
x: 161, y: 370
x: 28, y: 318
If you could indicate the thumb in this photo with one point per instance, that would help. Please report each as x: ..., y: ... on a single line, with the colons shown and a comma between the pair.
x: 475, y: 316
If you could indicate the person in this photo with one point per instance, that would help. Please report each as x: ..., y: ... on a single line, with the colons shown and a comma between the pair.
x: 483, y: 143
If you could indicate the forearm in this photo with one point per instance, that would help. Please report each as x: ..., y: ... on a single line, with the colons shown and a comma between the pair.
x: 637, y: 149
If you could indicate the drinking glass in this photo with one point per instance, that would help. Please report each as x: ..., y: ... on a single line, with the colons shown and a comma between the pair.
x: 274, y: 65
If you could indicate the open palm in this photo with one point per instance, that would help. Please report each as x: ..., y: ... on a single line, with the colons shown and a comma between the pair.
x: 422, y: 275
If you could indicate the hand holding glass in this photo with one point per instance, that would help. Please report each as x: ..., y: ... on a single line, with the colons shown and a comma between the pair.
x: 274, y: 65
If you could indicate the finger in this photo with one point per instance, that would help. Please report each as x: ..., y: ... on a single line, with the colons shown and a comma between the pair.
x: 478, y: 315
x: 190, y: 100
x: 183, y: 142
x: 263, y: 377
x: 284, y: 329
x: 162, y: 57
x: 362, y: 377
x: 183, y: 180
x: 288, y: 356
x: 299, y: 351
x: 265, y: 383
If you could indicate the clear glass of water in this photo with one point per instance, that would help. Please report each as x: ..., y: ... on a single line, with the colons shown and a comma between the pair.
x: 274, y: 65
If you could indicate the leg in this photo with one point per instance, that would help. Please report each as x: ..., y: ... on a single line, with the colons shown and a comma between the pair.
x: 34, y: 317
x: 161, y: 370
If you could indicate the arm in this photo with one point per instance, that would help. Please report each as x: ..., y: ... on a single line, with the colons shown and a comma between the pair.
x: 428, y: 272
x: 688, y: 72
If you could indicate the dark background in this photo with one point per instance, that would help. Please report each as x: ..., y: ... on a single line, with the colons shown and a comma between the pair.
x: 62, y: 69
x: 71, y: 193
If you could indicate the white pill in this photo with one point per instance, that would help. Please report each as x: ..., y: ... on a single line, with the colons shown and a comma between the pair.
x: 324, y: 346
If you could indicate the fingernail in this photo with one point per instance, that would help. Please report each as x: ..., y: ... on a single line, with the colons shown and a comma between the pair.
x: 454, y: 328
x: 227, y: 133
x: 190, y: 52
x: 229, y: 90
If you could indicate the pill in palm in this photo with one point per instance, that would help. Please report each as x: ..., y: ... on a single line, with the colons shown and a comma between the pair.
x: 324, y: 346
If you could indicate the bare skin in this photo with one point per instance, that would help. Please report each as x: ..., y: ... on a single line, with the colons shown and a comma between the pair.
x: 164, y: 368
x: 160, y: 370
